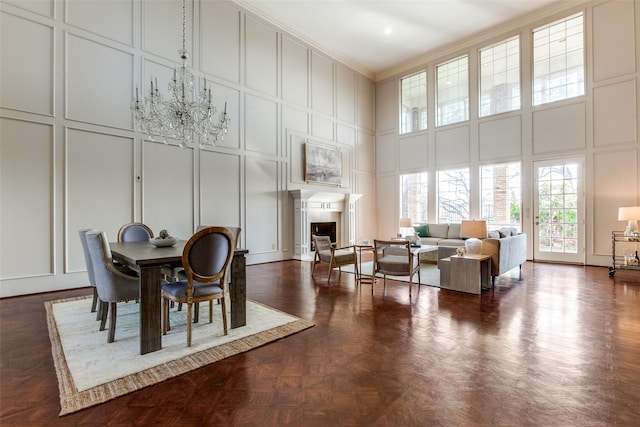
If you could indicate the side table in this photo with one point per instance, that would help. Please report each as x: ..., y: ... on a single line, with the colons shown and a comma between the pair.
x: 470, y: 273
x: 364, y: 279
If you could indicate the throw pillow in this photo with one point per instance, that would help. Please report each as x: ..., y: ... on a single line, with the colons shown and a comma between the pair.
x: 422, y: 230
x: 493, y: 234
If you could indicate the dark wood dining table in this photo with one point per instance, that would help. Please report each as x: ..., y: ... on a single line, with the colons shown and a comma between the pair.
x: 148, y: 260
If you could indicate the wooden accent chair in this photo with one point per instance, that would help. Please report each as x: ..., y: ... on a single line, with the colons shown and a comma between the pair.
x: 394, y: 258
x: 327, y: 253
x: 135, y: 232
x: 113, y: 285
x: 206, y: 259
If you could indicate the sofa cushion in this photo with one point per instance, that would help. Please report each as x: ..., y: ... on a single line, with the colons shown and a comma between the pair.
x: 422, y: 230
x: 439, y: 230
x: 430, y: 240
x: 454, y: 231
x: 451, y: 242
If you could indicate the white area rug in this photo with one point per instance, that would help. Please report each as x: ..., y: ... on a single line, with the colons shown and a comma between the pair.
x: 429, y: 273
x: 90, y: 371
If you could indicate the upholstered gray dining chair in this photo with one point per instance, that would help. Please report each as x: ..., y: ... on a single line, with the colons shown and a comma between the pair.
x: 206, y: 258
x: 112, y: 285
x: 394, y: 258
x: 327, y: 253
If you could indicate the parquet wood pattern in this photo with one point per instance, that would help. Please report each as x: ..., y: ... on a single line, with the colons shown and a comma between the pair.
x: 559, y: 348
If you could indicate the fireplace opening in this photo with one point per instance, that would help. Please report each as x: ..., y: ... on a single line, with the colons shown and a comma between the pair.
x: 322, y: 229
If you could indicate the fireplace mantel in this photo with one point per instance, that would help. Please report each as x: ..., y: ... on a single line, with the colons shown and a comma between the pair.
x: 308, y: 202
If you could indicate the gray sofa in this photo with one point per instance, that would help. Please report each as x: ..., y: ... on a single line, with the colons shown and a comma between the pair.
x: 440, y: 234
x: 507, y: 247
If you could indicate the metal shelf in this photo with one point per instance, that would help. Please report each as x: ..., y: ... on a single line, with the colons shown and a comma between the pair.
x: 618, y: 262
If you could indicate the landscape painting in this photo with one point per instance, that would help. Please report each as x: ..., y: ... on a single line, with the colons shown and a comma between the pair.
x: 322, y: 165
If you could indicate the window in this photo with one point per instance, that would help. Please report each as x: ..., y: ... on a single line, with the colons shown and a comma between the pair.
x: 413, y: 197
x: 453, y: 195
x: 413, y: 103
x: 558, y: 60
x: 500, y: 195
x: 500, y: 77
x: 453, y: 91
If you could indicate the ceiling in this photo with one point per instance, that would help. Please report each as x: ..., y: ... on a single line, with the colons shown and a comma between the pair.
x: 354, y: 30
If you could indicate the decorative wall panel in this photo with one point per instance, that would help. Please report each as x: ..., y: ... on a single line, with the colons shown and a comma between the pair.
x: 262, y: 197
x: 260, y: 56
x: 412, y: 152
x: 385, y: 153
x: 41, y: 7
x: 168, y: 189
x: 260, y: 125
x: 345, y: 94
x: 162, y: 29
x: 26, y: 71
x: 387, y: 105
x: 26, y: 197
x: 322, y: 127
x: 295, y: 72
x: 345, y: 134
x: 220, y: 189
x: 99, y: 184
x: 365, y: 153
x: 559, y: 129
x: 500, y: 139
x: 110, y: 19
x: 613, y: 39
x: 615, y: 113
x: 220, y: 40
x: 366, y: 104
x: 452, y: 146
x: 90, y: 68
x: 321, y: 84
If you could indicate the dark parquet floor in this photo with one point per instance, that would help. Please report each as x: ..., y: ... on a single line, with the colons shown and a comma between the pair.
x: 561, y: 347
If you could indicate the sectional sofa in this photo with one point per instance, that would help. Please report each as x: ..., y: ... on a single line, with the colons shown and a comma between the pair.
x: 507, y: 247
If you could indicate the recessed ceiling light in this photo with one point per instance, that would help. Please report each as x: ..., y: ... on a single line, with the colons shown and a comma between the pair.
x: 387, y: 31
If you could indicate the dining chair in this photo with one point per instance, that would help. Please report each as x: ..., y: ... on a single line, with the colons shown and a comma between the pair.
x: 206, y: 258
x: 327, y: 253
x: 113, y: 286
x: 135, y: 232
x: 395, y: 258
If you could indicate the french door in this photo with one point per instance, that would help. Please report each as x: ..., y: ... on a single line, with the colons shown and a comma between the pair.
x: 558, y: 226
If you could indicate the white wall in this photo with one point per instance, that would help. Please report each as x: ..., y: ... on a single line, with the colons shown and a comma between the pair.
x: 601, y: 126
x: 70, y: 158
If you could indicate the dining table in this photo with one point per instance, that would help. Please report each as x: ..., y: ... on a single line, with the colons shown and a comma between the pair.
x: 148, y: 260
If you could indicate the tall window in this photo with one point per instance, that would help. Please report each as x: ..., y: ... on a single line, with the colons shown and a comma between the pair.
x: 500, y: 77
x: 413, y: 197
x: 413, y: 103
x: 453, y: 195
x: 500, y: 195
x: 558, y: 60
x: 452, y: 93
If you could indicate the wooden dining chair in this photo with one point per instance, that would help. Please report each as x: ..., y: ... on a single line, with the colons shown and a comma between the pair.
x: 327, y: 253
x: 206, y: 258
x: 135, y: 232
x: 92, y: 280
x: 113, y: 285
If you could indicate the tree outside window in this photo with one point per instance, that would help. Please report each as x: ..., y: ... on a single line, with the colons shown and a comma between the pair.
x: 453, y: 195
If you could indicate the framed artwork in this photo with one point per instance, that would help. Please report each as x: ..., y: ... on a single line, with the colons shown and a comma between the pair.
x: 322, y: 164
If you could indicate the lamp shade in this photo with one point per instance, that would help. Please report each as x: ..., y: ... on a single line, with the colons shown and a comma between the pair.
x: 629, y: 213
x: 406, y: 222
x: 473, y: 228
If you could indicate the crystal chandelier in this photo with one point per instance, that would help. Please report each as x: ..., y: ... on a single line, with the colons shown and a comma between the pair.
x: 185, y: 113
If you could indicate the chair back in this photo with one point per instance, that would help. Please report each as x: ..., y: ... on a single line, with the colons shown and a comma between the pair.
x: 110, y: 283
x: 393, y: 256
x: 87, y: 255
x: 207, y: 256
x: 322, y: 245
x: 235, y: 232
x: 135, y: 232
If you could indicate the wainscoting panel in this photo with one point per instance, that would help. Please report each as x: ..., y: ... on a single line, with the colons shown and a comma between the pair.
x: 260, y: 125
x: 220, y: 40
x: 500, y: 139
x: 260, y: 56
x: 613, y: 39
x: 220, y: 189
x: 345, y: 94
x: 295, y: 72
x: 385, y: 153
x: 386, y: 106
x: 412, y: 152
x: 366, y: 103
x: 262, y: 202
x: 321, y: 84
x: 452, y: 146
x: 615, y: 113
x: 113, y: 20
x: 365, y: 153
x: 559, y: 128
x: 162, y: 29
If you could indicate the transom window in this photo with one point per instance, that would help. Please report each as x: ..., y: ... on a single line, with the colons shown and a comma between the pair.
x: 414, y: 197
x: 500, y: 77
x: 413, y: 103
x: 558, y: 60
x: 452, y: 92
x: 453, y: 195
x: 501, y: 195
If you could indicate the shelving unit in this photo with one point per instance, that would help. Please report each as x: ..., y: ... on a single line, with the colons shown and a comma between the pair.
x: 618, y: 240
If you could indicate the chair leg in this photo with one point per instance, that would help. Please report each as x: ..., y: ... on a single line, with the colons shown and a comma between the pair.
x: 94, y: 303
x: 224, y: 316
x: 112, y: 322
x: 165, y: 316
x: 99, y: 310
x: 104, y: 309
x: 196, y: 314
x: 189, y: 319
x: 211, y: 310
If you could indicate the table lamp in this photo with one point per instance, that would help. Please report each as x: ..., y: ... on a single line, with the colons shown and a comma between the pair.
x: 474, y: 231
x: 405, y: 223
x: 631, y: 214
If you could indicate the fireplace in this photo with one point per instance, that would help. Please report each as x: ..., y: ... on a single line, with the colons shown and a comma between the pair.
x: 322, y: 229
